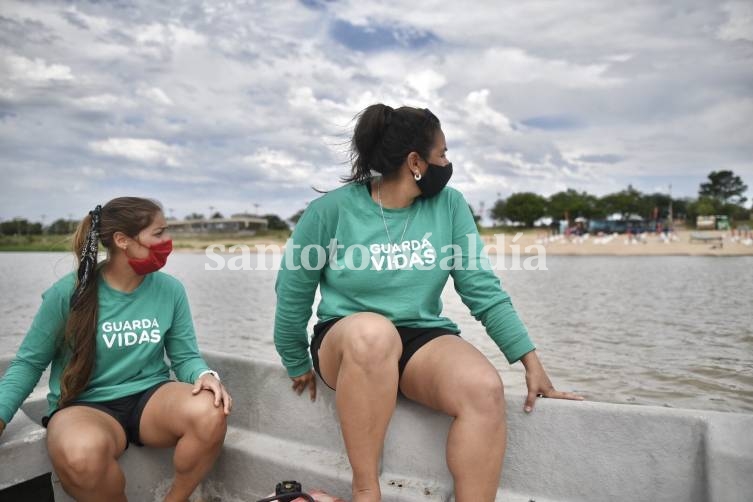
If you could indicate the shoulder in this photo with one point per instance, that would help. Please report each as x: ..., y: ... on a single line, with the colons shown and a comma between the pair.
x: 63, y: 287
x: 327, y: 207
x: 454, y: 195
x: 162, y: 286
x: 449, y: 198
x: 161, y: 282
x: 334, y: 198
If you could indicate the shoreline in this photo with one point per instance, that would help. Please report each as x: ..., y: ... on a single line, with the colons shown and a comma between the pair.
x: 524, y: 244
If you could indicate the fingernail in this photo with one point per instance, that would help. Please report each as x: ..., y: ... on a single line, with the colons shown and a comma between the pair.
x: 528, y: 409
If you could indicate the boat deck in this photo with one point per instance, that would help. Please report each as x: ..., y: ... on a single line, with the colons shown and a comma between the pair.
x: 564, y: 451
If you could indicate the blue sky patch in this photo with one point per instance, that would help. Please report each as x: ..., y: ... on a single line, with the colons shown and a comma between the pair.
x: 375, y: 37
x: 316, y: 4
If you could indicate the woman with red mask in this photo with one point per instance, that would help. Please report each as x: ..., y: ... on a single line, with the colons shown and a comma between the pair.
x: 105, y: 330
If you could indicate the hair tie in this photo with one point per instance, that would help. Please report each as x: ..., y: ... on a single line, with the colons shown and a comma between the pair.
x: 96, y: 215
x: 89, y: 253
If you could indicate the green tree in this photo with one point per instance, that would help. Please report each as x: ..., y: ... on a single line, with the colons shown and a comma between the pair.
x: 656, y: 201
x: 625, y: 202
x: 274, y: 222
x: 724, y: 187
x: 195, y: 216
x: 525, y: 207
x: 498, y: 212
x: 217, y: 216
x: 736, y: 212
x: 62, y: 227
x: 570, y: 204
x: 297, y: 216
x: 17, y: 226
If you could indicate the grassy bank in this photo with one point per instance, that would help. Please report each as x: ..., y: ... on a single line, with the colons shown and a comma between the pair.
x: 56, y: 243
x: 47, y: 243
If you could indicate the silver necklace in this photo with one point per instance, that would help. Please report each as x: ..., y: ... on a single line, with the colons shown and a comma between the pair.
x: 384, y: 220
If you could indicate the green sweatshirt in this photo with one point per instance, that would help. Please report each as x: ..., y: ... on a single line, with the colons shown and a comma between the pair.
x: 134, y: 331
x: 405, y: 285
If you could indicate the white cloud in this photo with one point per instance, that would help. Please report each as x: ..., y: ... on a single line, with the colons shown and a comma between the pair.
x: 149, y: 151
x: 426, y: 83
x: 514, y: 65
x: 156, y: 95
x: 102, y: 102
x: 256, y: 103
x: 479, y: 112
x: 160, y: 34
x: 277, y: 166
x: 36, y: 70
x: 739, y: 25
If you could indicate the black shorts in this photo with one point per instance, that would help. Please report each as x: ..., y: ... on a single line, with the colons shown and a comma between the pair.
x: 412, y: 338
x: 126, y: 410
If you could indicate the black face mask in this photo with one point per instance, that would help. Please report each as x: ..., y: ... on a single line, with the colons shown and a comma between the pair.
x: 434, y: 180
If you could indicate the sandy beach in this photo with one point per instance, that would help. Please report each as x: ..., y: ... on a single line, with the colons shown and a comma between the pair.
x: 531, y: 242
x: 679, y: 244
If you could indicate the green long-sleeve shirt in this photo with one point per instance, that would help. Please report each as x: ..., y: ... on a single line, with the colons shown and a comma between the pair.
x: 134, y: 331
x: 439, y: 241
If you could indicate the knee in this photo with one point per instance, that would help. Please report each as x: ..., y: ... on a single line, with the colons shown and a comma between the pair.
x: 372, y: 342
x: 82, y: 463
x: 208, y: 422
x: 484, y: 394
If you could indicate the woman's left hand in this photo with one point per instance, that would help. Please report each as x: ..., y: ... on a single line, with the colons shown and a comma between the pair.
x: 539, y: 384
x: 221, y: 396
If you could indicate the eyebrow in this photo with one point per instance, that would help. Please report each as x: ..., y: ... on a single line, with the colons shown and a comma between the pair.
x: 160, y: 228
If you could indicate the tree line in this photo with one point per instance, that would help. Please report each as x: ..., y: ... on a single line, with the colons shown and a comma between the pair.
x: 61, y: 226
x: 722, y: 194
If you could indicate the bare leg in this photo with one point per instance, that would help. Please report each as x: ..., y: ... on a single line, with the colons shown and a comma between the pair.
x: 359, y: 356
x: 173, y: 416
x: 84, y: 445
x: 450, y: 375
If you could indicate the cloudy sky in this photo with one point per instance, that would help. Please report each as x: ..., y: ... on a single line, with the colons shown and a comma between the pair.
x: 243, y: 105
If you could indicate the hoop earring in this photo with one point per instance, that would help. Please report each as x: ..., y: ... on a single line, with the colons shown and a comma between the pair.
x: 417, y: 176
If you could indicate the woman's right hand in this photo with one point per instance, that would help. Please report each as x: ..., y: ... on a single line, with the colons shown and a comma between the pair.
x: 2, y: 427
x: 300, y: 383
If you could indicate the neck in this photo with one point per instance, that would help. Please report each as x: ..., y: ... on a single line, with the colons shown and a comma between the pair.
x: 119, y: 275
x: 395, y: 192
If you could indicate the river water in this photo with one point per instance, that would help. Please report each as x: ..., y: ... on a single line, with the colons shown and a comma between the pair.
x: 667, y: 331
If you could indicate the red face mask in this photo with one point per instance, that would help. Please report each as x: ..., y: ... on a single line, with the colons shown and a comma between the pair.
x: 156, y: 260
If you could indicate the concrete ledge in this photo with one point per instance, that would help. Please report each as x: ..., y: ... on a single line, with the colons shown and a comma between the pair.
x: 564, y: 451
x: 23, y: 450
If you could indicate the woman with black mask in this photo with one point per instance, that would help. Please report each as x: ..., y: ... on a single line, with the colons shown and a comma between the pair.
x: 381, y: 249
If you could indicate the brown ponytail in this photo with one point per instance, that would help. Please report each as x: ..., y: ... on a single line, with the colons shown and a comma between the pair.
x: 383, y: 138
x: 129, y: 215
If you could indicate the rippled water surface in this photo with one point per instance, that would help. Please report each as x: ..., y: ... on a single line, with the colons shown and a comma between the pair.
x: 668, y: 331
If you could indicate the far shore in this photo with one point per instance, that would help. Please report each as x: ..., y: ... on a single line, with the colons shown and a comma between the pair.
x: 527, y: 242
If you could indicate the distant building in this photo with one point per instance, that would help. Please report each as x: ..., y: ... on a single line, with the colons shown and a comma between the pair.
x: 243, y: 224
